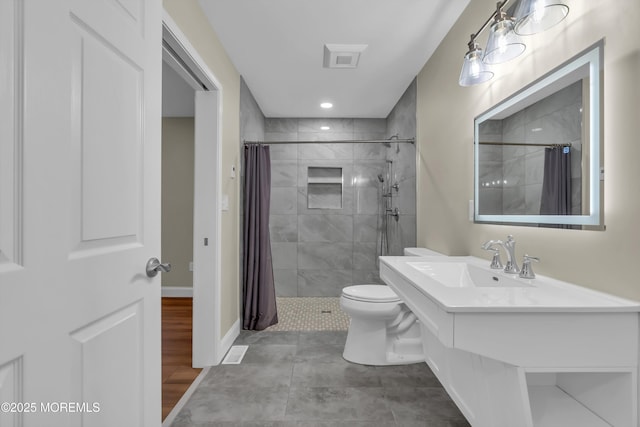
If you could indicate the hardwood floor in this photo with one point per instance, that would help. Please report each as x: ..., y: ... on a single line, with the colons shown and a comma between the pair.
x: 177, y: 373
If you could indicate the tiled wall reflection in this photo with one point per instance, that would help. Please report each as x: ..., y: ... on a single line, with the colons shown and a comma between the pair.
x: 518, y: 170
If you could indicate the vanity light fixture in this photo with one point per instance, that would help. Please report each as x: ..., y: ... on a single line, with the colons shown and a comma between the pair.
x: 474, y: 71
x: 324, y: 128
x: 536, y: 16
x: 504, y: 44
x: 326, y: 105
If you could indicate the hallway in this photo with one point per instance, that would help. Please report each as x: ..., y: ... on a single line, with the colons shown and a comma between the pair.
x: 177, y: 373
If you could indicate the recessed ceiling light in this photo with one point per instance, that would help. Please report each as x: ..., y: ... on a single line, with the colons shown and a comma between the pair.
x: 326, y: 105
x: 325, y: 127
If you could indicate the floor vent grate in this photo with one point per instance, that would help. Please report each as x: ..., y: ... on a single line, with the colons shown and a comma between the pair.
x: 235, y: 355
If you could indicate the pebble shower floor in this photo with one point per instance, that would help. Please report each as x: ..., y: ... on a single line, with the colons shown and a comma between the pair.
x: 310, y: 314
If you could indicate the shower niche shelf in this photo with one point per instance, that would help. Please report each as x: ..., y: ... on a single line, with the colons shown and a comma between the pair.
x: 327, y: 180
x: 324, y: 187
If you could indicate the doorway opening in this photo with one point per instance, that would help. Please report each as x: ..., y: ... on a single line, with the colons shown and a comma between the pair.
x: 178, y: 116
x: 191, y: 214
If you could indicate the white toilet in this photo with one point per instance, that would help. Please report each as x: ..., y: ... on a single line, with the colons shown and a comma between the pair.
x: 382, y: 331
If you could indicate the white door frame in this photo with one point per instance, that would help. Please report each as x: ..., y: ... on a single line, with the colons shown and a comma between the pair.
x: 207, y: 344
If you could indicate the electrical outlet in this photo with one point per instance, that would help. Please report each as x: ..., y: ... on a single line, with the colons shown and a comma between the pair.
x: 191, y: 266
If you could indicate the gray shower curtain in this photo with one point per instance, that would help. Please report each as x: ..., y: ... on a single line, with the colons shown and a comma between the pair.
x: 556, y: 182
x: 259, y: 296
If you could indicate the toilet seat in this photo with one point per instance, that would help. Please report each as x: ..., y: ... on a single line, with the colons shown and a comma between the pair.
x: 370, y: 293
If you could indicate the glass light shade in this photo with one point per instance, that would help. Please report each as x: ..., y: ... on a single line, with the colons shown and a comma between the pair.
x: 474, y: 71
x: 535, y: 16
x: 504, y: 44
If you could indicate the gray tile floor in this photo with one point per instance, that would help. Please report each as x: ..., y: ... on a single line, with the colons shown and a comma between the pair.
x: 292, y: 379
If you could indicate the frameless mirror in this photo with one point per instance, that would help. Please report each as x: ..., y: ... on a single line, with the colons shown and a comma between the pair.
x: 537, y: 153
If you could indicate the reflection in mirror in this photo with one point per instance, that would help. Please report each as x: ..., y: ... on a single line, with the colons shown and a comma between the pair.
x: 539, y: 146
x: 537, y: 151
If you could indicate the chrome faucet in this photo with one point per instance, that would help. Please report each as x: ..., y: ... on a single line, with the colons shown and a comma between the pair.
x: 510, y: 250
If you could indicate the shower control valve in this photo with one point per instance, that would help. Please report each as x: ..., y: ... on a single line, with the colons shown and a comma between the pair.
x: 395, y: 212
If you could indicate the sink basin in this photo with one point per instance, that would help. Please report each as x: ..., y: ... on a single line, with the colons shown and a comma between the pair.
x: 464, y: 275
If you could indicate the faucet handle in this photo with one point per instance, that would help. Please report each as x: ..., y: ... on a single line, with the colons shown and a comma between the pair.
x: 489, y: 245
x: 496, y: 262
x: 527, y: 270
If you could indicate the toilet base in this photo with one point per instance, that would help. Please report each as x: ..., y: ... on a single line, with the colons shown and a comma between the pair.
x: 368, y: 344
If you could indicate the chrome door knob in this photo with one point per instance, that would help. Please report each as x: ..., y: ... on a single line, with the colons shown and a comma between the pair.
x: 154, y: 265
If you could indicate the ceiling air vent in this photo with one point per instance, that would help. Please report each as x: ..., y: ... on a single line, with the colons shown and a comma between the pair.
x: 342, y: 55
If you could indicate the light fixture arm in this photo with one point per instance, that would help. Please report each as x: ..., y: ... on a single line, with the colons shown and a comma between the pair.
x: 499, y: 7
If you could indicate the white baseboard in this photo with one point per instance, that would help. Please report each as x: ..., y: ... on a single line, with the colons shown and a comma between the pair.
x: 177, y: 291
x: 228, y: 339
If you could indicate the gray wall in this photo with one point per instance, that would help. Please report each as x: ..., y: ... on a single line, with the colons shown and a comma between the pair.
x: 177, y: 199
x: 251, y: 117
x: 402, y: 122
x: 251, y: 129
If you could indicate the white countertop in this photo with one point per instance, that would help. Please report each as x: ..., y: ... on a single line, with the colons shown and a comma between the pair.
x: 543, y: 295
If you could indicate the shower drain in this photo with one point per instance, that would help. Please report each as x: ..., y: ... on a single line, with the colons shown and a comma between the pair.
x: 325, y: 311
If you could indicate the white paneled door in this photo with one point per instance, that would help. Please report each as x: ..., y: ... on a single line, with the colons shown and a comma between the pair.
x: 79, y: 212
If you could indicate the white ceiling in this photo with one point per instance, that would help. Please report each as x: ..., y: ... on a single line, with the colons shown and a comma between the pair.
x: 278, y: 46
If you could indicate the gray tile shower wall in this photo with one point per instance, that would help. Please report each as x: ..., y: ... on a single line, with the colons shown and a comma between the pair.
x: 319, y: 250
x: 402, y: 122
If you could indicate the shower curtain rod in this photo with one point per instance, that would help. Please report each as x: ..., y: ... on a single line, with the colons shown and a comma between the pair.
x: 339, y: 141
x: 522, y: 144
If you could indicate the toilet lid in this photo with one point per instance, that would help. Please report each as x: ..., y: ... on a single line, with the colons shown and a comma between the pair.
x: 370, y: 293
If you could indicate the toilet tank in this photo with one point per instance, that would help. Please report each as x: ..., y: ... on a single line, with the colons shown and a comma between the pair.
x: 420, y: 252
